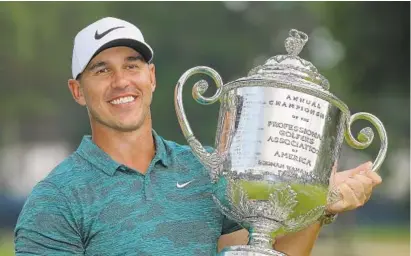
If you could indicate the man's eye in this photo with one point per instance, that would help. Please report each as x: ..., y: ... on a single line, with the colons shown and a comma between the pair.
x: 102, y: 71
x: 131, y: 66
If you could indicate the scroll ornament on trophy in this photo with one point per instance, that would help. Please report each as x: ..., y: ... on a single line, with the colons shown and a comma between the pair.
x: 278, y: 140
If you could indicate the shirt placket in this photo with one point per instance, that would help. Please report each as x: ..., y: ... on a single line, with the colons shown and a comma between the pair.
x: 148, y: 186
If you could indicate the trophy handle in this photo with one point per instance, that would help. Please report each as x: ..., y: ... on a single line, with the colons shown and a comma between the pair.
x: 366, y: 136
x: 212, y: 160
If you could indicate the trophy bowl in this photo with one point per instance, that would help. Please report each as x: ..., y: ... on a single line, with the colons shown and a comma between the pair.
x: 278, y: 140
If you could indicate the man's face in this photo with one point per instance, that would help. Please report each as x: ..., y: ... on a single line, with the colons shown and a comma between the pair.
x: 117, y: 87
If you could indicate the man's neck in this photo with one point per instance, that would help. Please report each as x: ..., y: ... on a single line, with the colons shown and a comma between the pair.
x: 134, y: 149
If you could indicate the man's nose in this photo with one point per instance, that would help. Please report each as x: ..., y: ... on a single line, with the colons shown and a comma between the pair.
x: 119, y: 80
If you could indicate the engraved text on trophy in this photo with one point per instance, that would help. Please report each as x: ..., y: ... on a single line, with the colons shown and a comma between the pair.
x: 278, y: 128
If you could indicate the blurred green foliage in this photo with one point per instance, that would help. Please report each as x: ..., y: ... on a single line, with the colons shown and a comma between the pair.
x: 231, y: 37
x: 373, y: 74
x: 36, y: 56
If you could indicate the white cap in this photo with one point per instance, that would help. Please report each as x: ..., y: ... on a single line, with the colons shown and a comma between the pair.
x: 105, y: 33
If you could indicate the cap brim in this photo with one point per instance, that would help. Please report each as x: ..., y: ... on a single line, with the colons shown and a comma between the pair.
x: 140, y: 47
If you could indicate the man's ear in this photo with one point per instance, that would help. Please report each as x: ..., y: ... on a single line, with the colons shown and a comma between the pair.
x: 152, y: 69
x: 76, y: 91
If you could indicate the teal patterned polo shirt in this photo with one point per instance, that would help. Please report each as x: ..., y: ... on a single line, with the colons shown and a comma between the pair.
x: 91, y: 205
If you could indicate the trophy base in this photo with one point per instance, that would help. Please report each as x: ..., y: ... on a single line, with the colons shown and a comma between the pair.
x: 246, y: 250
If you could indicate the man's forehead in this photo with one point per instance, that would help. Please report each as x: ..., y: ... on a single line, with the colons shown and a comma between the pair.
x: 118, y: 51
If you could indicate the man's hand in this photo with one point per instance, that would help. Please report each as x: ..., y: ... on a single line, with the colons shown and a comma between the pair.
x: 354, y: 186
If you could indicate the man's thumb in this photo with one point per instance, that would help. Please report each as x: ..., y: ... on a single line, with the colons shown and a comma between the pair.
x: 363, y: 168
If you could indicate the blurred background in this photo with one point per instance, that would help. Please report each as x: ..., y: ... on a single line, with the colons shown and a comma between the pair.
x: 363, y: 48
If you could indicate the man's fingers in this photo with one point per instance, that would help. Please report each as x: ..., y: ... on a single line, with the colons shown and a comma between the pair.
x: 366, y: 182
x: 362, y: 168
x: 349, y: 200
x: 342, y: 176
x: 376, y: 179
x: 355, y: 187
x: 358, y: 189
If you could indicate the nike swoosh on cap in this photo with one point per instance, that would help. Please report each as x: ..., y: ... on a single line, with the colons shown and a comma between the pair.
x: 98, y: 36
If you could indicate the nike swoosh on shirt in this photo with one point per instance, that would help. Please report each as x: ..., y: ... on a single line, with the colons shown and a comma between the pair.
x: 184, y: 184
x: 98, y: 36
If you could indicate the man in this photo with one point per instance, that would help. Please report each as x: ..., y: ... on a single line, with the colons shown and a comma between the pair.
x: 126, y: 190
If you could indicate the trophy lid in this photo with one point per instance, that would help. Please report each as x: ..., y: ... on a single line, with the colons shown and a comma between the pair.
x: 290, y: 68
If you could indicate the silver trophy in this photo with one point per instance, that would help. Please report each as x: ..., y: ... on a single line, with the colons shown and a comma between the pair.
x: 277, y: 144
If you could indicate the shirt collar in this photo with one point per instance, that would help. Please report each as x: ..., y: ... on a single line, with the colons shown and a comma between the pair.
x: 161, y: 149
x: 96, y: 156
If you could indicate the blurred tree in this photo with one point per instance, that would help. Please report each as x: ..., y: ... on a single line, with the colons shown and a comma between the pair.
x: 231, y: 37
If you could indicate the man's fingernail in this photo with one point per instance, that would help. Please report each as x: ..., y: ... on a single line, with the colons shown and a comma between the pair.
x: 366, y: 167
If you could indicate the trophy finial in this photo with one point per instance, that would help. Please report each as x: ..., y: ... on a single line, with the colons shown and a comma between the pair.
x: 286, y: 66
x: 295, y: 42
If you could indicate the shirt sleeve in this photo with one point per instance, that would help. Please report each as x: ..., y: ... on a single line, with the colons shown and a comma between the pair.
x: 46, y: 225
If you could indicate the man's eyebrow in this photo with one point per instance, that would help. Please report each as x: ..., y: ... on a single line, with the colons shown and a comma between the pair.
x: 96, y: 65
x: 135, y: 58
x: 102, y: 63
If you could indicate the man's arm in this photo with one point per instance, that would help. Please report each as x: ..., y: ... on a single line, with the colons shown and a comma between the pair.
x: 300, y: 243
x: 46, y: 225
x: 239, y: 237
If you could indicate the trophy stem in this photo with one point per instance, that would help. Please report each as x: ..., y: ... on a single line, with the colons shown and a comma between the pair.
x: 260, y: 234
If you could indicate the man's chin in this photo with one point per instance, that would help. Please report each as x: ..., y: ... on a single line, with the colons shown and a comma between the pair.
x: 119, y: 125
x: 126, y: 127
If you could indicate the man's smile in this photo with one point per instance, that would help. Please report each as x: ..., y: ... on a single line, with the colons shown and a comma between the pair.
x: 123, y: 100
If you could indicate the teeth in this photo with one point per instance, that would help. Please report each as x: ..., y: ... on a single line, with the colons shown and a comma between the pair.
x: 122, y: 100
